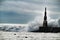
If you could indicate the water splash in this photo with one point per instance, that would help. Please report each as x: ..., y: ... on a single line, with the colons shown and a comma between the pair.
x: 32, y: 25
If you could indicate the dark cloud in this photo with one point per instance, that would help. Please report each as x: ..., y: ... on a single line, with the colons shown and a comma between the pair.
x: 13, y: 17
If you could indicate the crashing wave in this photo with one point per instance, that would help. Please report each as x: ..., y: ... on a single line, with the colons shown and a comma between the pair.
x: 33, y: 25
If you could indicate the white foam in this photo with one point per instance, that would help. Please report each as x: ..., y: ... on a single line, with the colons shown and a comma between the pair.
x: 9, y: 24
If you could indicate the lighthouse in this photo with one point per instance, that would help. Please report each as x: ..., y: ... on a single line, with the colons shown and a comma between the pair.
x: 45, y: 19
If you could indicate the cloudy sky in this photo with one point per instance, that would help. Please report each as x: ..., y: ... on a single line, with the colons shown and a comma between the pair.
x: 23, y: 11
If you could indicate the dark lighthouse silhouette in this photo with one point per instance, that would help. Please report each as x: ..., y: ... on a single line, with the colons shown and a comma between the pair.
x: 45, y: 19
x: 45, y: 28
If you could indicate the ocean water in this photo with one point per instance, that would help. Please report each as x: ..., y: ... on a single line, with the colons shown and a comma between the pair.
x: 28, y: 36
x: 23, y: 34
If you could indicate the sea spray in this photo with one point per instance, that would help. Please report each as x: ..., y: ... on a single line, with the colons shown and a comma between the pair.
x: 32, y: 25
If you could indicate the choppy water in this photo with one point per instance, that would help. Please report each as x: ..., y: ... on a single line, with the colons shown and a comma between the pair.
x: 29, y: 36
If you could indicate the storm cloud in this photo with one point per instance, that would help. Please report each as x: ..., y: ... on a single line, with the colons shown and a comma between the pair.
x: 33, y: 8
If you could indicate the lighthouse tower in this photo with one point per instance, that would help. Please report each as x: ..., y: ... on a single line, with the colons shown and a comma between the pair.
x: 45, y: 19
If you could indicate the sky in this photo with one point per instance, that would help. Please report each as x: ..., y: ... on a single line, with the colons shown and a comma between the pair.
x: 24, y: 11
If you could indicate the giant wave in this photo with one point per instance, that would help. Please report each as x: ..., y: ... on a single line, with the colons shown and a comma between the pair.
x: 30, y: 26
